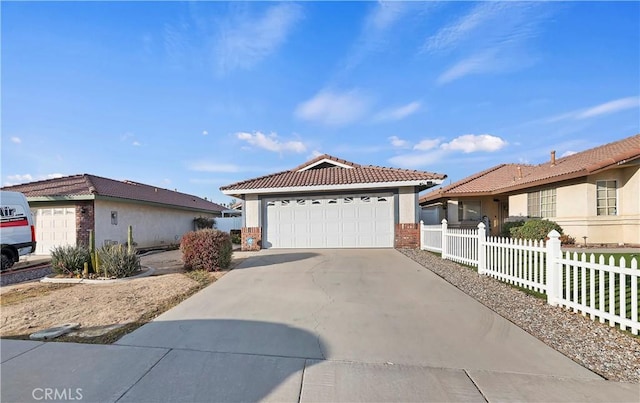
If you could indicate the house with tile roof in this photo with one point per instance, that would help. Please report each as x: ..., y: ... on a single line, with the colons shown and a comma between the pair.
x: 66, y: 208
x: 594, y: 194
x: 329, y: 202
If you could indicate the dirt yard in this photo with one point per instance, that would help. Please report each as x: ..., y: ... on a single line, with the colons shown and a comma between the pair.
x: 30, y: 307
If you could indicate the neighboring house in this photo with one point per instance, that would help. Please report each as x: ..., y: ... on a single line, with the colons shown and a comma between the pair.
x: 65, y: 209
x: 328, y: 202
x: 593, y: 194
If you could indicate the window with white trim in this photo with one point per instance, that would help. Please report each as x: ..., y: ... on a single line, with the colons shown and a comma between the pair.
x: 542, y: 203
x: 469, y: 210
x: 607, y: 197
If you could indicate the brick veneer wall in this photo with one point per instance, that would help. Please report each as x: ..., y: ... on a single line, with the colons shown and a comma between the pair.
x: 251, y: 232
x: 84, y: 222
x: 407, y: 236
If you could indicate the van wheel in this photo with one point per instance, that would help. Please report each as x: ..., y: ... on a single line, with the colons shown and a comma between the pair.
x: 7, y: 261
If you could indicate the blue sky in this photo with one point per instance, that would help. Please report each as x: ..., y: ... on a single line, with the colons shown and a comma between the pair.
x: 193, y: 96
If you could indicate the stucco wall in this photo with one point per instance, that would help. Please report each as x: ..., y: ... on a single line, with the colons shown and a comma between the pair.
x: 518, y: 205
x: 252, y: 211
x: 152, y: 226
x: 407, y: 205
x: 576, y: 209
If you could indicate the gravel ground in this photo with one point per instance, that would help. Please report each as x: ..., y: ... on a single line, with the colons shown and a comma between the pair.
x: 26, y: 275
x: 607, y: 351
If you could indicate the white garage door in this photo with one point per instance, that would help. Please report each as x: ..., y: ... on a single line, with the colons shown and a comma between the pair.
x: 54, y: 227
x: 330, y: 222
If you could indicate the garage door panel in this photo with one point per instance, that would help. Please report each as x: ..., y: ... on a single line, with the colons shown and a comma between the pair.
x: 330, y: 221
x: 54, y: 227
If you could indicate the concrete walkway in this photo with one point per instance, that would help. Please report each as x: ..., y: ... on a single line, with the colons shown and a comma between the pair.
x: 313, y: 325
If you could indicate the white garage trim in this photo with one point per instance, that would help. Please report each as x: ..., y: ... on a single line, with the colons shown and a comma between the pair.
x: 329, y: 221
x: 321, y: 188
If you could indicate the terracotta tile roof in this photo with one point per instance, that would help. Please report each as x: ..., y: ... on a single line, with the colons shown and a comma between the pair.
x: 85, y: 185
x: 506, y: 177
x: 334, y: 175
x: 485, y: 182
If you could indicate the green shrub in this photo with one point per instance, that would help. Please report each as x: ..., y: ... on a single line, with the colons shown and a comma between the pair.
x: 506, y: 227
x: 236, y: 237
x: 116, y: 261
x: 69, y: 259
x: 204, y: 222
x: 535, y: 229
x: 206, y: 249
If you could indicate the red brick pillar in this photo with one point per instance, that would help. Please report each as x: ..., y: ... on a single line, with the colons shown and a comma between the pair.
x: 251, y: 238
x: 407, y: 236
x: 85, y: 221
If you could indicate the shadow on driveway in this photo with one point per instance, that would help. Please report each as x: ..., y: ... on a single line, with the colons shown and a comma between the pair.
x: 272, y: 259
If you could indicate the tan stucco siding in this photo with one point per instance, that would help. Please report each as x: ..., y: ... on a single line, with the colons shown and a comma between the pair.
x: 518, y: 205
x: 152, y: 226
x: 252, y: 211
x: 407, y: 205
x: 577, y: 214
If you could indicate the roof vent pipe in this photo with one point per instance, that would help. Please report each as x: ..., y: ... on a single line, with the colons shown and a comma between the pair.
x: 553, y: 158
x: 519, y: 172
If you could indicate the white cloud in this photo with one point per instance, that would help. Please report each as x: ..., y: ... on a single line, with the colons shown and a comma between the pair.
x: 245, y: 41
x: 271, y: 142
x: 399, y: 112
x: 204, y: 132
x: 374, y: 35
x: 451, y: 35
x: 568, y: 153
x: 488, y: 24
x: 610, y: 107
x: 469, y: 143
x: 16, y: 140
x: 334, y: 108
x: 492, y: 36
x: 398, y: 142
x: 314, y: 154
x: 479, y: 63
x: 136, y: 144
x: 433, y: 151
x: 416, y: 160
x: 20, y: 178
x: 24, y: 178
x: 427, y: 144
x: 617, y: 105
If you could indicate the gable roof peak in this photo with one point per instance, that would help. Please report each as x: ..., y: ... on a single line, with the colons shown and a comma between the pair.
x: 325, y: 161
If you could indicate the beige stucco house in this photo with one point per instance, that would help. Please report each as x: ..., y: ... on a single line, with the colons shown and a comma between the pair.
x: 328, y: 202
x: 66, y: 208
x: 593, y: 194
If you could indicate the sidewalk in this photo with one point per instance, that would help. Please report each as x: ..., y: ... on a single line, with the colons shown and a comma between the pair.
x: 36, y: 371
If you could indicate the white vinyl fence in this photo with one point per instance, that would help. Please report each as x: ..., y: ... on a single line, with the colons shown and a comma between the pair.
x: 599, y: 289
x: 226, y: 224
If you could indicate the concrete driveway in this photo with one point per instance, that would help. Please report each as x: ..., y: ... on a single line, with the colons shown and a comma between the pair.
x: 338, y: 325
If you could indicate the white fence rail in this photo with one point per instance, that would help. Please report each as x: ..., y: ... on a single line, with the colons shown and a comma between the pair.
x: 601, y: 290
x: 228, y: 223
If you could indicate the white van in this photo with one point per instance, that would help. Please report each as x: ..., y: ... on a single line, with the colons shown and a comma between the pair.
x: 17, y: 230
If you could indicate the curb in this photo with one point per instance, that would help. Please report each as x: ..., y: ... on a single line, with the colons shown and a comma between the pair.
x: 48, y: 279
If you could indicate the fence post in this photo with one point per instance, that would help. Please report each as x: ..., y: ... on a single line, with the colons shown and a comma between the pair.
x: 444, y: 238
x: 421, y: 235
x: 554, y: 253
x: 482, y: 239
